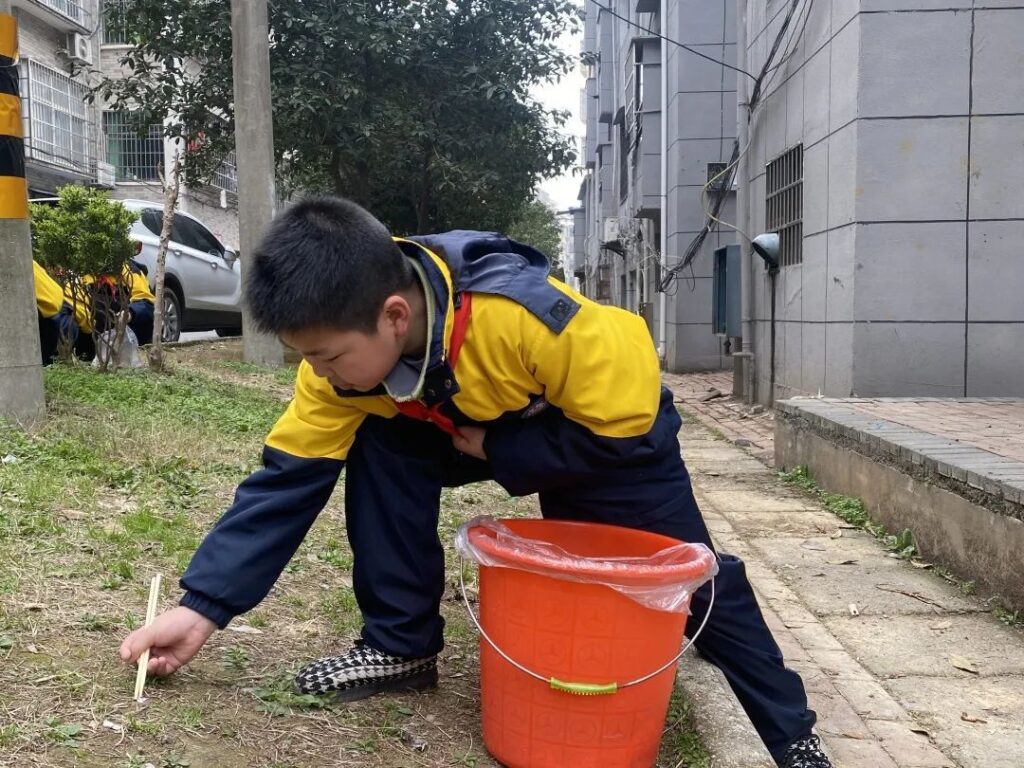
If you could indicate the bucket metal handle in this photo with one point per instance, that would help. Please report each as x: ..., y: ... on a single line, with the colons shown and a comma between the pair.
x: 579, y: 689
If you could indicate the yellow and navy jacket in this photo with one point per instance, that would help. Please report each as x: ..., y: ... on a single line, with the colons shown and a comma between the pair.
x: 49, y: 294
x: 568, y: 390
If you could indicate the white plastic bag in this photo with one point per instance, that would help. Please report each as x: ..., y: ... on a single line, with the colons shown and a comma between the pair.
x: 126, y: 357
x: 664, y: 580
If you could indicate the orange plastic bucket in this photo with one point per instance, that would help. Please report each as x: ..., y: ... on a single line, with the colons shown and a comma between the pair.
x: 587, y: 634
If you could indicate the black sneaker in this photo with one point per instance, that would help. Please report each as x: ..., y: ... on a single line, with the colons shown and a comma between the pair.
x: 365, y: 671
x: 805, y: 753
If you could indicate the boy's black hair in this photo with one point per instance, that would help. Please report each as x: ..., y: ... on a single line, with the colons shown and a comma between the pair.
x: 324, y: 262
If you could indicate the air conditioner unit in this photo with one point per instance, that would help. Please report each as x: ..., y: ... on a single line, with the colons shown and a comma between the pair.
x: 105, y: 175
x: 610, y: 230
x: 80, y: 48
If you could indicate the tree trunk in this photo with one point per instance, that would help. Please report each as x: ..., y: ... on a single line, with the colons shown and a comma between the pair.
x: 171, y: 186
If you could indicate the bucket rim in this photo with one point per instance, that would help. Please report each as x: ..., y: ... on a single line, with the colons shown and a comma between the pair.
x: 591, y: 569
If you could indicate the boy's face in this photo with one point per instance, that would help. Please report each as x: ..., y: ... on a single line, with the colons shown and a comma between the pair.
x: 355, y: 359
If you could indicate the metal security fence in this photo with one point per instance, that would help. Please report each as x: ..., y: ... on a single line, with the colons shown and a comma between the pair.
x: 784, y: 211
x: 56, y: 119
x: 136, y: 152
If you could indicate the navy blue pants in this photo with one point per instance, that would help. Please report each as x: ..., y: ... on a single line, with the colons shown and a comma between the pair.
x: 394, y: 476
x: 142, y: 320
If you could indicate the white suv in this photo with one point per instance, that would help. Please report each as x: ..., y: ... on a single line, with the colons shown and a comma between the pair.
x: 203, y: 288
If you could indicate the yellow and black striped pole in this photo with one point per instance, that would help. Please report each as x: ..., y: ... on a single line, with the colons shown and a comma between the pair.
x: 13, y: 189
x: 21, y: 373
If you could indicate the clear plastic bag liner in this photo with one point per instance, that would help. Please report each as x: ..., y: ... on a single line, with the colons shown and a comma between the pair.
x: 662, y: 581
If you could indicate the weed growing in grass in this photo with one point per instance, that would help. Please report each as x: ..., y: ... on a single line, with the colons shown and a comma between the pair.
x: 278, y: 697
x: 852, y: 511
x: 681, y: 743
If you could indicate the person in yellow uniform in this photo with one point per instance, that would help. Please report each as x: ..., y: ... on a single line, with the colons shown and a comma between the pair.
x: 141, y: 302
x: 442, y: 360
x: 56, y: 321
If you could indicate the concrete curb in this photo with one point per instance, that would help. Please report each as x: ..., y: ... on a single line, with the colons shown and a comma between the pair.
x: 724, y: 727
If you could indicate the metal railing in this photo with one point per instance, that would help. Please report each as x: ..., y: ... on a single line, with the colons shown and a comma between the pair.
x: 75, y: 10
x: 226, y: 175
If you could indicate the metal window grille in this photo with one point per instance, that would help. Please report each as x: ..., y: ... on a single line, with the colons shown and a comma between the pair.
x: 56, y: 121
x: 136, y: 152
x: 71, y: 9
x: 784, y: 204
x: 226, y: 175
x: 115, y: 22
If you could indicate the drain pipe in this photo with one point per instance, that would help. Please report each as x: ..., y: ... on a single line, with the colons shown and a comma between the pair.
x: 663, y: 244
x: 746, y: 353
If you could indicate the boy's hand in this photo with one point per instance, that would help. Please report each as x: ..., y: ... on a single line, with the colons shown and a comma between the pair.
x: 471, y: 441
x: 173, y: 639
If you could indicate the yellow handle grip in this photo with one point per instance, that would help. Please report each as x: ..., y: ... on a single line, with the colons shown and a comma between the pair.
x: 583, y: 689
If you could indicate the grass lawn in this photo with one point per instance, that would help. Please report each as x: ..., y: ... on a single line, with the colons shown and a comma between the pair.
x: 122, y: 482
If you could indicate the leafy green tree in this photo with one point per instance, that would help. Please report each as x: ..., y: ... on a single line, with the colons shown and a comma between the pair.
x: 417, y: 109
x: 81, y: 238
x: 537, y: 225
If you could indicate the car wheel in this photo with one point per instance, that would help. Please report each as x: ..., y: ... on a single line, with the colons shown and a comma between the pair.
x: 172, y: 316
x: 228, y: 332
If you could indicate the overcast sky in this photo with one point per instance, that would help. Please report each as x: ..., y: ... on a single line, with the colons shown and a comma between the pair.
x: 565, y: 94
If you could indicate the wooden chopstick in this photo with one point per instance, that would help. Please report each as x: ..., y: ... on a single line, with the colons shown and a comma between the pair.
x: 140, y: 676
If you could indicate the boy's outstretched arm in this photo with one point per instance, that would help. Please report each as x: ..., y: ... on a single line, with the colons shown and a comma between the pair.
x: 243, y: 555
x: 602, y: 374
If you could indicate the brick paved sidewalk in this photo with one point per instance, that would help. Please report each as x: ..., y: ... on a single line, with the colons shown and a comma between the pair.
x: 903, y: 670
x: 752, y: 428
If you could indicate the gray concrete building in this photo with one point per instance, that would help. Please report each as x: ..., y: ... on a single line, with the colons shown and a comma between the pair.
x: 888, y: 154
x: 70, y: 141
x: 632, y: 231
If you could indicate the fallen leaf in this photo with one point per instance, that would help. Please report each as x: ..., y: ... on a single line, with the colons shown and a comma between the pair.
x: 854, y: 610
x: 846, y: 561
x: 31, y: 648
x: 245, y: 629
x: 110, y: 724
x: 971, y: 718
x: 920, y: 564
x: 965, y: 664
x: 940, y: 625
x: 6, y: 643
x: 920, y: 730
x: 818, y: 547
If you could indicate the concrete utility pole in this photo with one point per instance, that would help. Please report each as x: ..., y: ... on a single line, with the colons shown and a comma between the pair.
x: 21, y: 371
x: 254, y: 151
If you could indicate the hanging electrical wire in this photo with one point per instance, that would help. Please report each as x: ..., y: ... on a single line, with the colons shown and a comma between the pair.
x: 726, y: 177
x: 685, y: 47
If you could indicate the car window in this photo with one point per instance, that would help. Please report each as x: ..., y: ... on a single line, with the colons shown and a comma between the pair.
x: 191, y: 233
x: 209, y: 241
x: 152, y: 220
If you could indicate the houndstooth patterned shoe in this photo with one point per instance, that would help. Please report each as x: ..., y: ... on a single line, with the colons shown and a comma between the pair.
x: 365, y: 671
x: 805, y: 753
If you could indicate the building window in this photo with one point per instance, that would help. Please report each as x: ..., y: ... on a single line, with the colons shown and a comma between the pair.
x: 115, y: 22
x: 69, y: 9
x: 784, y: 204
x: 56, y: 121
x: 226, y: 175
x: 136, y: 152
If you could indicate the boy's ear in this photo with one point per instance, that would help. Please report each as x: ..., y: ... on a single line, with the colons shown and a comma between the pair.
x: 397, y: 312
